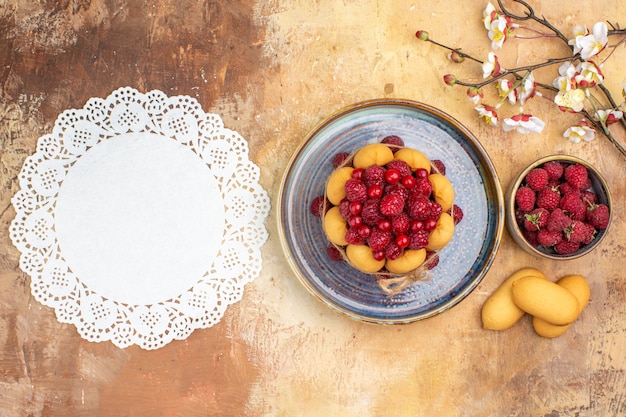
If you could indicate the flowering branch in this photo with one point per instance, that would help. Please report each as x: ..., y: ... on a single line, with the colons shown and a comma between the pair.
x: 573, y: 89
x: 530, y: 14
x: 515, y: 72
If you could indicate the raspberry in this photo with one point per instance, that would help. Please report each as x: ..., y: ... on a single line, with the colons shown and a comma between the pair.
x: 519, y: 216
x: 558, y: 221
x: 598, y: 216
x: 536, y: 219
x: 400, y: 223
x: 393, y: 251
x: 370, y: 213
x: 530, y: 237
x: 554, y: 169
x: 391, y: 205
x: 374, y: 175
x: 537, y: 178
x: 400, y: 166
x: 355, y: 190
x: 525, y: 198
x: 549, y: 238
x: 457, y: 213
x: 555, y: 184
x: 379, y: 239
x: 588, y: 233
x: 548, y: 198
x: 576, y: 175
x: 418, y: 207
x: 344, y: 209
x: 567, y: 188
x: 339, y: 159
x: 432, y: 259
x: 574, y: 205
x: 587, y: 184
x: 317, y: 205
x: 589, y: 197
x: 435, y: 209
x: 580, y: 232
x: 334, y: 254
x: 422, y: 187
x: 353, y: 237
x: 397, y: 189
x: 419, y: 239
x: 565, y: 247
x: 437, y: 166
x: 394, y: 140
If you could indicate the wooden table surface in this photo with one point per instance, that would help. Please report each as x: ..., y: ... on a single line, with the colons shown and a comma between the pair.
x: 272, y: 70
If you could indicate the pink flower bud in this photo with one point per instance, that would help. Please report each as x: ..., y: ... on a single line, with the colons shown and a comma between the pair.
x: 474, y: 94
x: 456, y: 56
x: 449, y: 79
x: 421, y: 35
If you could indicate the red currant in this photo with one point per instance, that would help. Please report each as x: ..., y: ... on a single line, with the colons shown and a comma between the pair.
x: 384, y: 225
x: 375, y: 191
x: 430, y: 224
x: 416, y: 226
x: 421, y: 173
x: 403, y: 241
x: 364, y: 231
x: 355, y: 221
x: 357, y: 173
x: 379, y: 255
x: 392, y: 176
x: 408, y: 181
x: 355, y: 207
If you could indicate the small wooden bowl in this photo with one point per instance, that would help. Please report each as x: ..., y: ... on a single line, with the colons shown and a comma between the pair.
x: 598, y: 185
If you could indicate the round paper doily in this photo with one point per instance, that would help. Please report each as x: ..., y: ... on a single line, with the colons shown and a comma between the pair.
x: 140, y: 218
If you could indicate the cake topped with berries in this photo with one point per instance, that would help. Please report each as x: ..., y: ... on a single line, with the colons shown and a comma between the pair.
x: 387, y: 209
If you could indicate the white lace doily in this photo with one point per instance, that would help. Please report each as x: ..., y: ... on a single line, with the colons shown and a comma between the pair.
x: 140, y: 218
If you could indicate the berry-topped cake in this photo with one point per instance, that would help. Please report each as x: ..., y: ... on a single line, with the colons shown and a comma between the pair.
x: 387, y: 209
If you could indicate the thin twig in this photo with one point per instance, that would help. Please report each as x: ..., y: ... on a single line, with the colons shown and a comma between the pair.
x: 458, y: 51
x: 515, y: 72
x: 530, y: 14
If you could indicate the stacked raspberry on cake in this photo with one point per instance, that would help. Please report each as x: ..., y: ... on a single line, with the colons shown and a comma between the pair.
x: 387, y: 208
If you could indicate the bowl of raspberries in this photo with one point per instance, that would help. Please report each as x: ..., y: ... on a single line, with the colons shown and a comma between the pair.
x: 559, y: 207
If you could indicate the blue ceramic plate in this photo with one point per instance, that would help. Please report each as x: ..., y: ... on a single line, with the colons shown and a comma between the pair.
x: 463, y: 262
